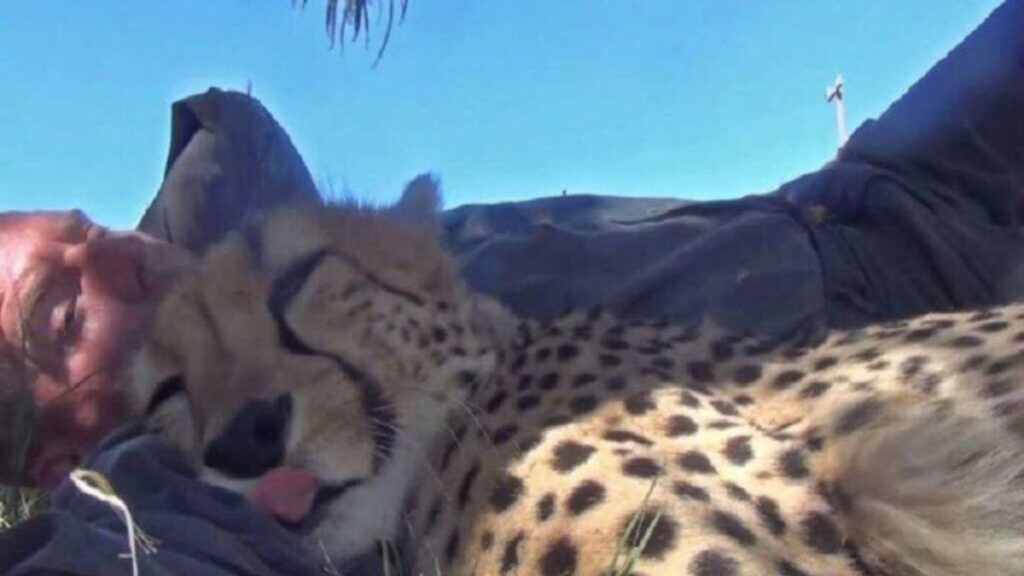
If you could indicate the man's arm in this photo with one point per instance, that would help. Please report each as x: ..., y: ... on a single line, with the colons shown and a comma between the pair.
x: 922, y: 209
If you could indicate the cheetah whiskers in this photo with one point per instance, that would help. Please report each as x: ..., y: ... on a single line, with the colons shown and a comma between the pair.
x: 421, y: 454
x: 469, y: 408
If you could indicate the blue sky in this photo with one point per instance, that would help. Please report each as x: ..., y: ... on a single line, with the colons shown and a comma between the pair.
x: 503, y: 99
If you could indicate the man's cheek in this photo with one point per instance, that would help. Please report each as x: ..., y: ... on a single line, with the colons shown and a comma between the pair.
x: 94, y: 403
x: 110, y: 331
x: 47, y: 390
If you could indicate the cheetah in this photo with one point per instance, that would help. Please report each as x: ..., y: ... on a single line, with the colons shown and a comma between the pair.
x: 330, y: 365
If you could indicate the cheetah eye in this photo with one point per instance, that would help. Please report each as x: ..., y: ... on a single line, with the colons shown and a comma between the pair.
x: 165, y: 390
x: 284, y: 289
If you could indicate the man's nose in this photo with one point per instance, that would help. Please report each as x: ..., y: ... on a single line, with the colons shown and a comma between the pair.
x: 115, y: 263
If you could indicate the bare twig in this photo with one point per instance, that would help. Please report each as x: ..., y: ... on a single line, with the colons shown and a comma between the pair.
x: 355, y: 15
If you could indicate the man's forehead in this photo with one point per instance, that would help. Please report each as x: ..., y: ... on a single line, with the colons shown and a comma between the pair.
x: 49, y: 223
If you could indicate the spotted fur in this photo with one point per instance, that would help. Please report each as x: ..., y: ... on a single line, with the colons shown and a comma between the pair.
x: 485, y: 445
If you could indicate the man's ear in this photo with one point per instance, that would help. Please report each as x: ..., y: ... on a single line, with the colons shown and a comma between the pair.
x: 420, y: 202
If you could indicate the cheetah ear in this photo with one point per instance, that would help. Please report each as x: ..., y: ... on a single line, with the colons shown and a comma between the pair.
x: 420, y: 202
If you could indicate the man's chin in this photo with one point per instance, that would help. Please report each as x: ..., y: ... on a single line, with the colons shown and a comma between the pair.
x: 49, y: 470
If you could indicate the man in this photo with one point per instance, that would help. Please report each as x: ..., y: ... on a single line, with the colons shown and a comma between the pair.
x: 73, y: 297
x: 920, y: 211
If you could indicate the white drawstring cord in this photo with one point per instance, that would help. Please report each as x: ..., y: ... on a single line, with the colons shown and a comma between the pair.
x: 96, y: 485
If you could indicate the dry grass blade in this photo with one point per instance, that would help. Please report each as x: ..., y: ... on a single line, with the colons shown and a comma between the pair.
x: 327, y: 566
x: 633, y: 540
x: 18, y: 504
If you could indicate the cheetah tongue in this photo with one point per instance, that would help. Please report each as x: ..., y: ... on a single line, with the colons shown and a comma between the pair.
x: 286, y: 494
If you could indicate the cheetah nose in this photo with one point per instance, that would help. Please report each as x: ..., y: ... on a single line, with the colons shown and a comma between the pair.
x: 253, y: 442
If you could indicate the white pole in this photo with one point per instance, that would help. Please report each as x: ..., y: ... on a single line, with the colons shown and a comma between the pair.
x: 834, y: 93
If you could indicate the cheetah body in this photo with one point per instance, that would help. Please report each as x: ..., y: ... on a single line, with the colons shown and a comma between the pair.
x: 485, y: 445
x: 714, y: 452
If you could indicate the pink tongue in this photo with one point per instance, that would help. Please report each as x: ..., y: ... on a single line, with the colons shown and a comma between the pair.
x: 286, y: 493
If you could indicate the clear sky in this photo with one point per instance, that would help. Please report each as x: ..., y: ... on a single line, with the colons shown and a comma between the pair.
x: 503, y: 99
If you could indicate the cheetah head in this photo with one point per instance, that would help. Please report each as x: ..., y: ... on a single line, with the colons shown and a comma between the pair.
x: 309, y: 359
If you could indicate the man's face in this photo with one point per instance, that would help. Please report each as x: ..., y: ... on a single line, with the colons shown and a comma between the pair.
x: 74, y: 298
